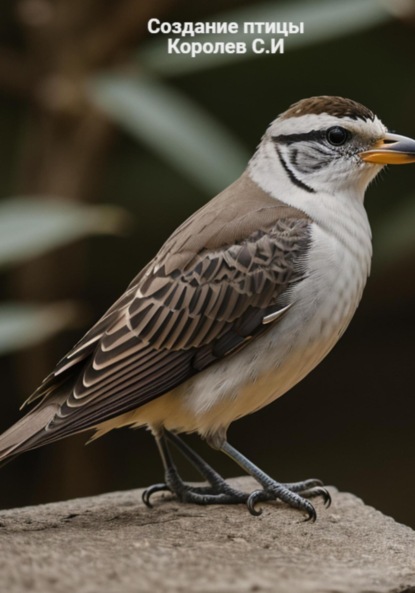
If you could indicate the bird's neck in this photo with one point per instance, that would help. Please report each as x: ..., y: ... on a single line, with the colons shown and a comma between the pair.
x: 341, y: 213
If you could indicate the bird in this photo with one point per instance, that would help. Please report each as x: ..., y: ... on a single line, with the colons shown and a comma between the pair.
x: 242, y: 301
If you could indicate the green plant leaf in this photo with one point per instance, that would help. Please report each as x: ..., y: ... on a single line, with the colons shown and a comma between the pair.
x: 30, y: 227
x: 323, y: 20
x: 172, y: 125
x: 24, y: 325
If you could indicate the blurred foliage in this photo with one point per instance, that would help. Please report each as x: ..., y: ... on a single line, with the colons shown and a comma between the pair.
x: 176, y: 128
x: 26, y: 325
x: 30, y: 227
x: 92, y: 109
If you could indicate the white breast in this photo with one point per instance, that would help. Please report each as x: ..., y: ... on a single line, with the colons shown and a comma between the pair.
x: 324, y: 304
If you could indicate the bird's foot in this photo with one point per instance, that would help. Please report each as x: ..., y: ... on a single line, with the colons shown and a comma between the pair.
x: 203, y: 495
x: 217, y: 492
x: 295, y: 495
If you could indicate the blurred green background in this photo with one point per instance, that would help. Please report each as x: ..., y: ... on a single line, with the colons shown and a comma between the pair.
x: 107, y: 144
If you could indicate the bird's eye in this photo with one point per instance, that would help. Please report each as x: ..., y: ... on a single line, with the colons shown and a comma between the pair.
x: 337, y: 135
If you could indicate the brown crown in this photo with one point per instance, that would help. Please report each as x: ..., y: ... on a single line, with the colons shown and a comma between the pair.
x: 337, y: 106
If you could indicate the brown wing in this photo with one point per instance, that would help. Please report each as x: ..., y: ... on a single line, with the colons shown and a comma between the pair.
x: 203, y: 297
x: 170, y: 326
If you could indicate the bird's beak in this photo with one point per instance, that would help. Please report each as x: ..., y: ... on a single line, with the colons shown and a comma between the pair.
x: 391, y: 150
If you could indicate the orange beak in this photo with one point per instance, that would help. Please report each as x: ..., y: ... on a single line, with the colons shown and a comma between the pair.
x: 391, y: 150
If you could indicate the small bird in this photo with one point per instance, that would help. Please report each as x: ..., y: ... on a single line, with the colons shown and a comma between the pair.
x: 243, y: 300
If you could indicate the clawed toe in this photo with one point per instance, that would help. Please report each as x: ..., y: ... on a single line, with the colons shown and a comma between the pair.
x: 202, y: 495
x: 295, y: 495
x: 148, y: 493
x: 286, y: 496
x: 304, y: 485
x: 318, y: 491
x: 311, y: 488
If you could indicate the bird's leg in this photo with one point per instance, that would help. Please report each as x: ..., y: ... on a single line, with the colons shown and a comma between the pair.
x: 295, y: 495
x: 218, y: 484
x: 219, y: 492
x: 173, y: 481
x: 308, y: 488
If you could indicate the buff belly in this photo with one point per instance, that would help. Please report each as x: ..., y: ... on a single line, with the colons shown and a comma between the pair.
x: 240, y: 385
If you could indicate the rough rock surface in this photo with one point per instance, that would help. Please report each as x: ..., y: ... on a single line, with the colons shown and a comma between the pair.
x: 112, y: 543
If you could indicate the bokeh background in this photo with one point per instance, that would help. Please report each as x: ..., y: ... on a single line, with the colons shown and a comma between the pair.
x: 107, y: 144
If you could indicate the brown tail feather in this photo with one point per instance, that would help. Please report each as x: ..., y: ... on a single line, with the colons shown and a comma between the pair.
x: 22, y: 436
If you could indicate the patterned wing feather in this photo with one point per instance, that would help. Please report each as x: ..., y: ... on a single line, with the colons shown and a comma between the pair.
x: 203, y: 297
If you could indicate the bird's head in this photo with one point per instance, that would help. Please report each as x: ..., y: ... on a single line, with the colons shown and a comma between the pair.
x: 329, y: 144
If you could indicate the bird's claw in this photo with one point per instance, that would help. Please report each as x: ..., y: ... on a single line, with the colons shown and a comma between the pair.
x: 148, y: 492
x: 318, y: 491
x: 289, y: 497
x: 253, y: 499
x: 311, y: 512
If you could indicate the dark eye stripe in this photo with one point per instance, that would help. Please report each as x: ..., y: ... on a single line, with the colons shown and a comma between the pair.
x: 292, y: 138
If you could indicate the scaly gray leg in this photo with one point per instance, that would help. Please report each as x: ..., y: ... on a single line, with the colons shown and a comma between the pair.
x: 219, y: 492
x: 295, y: 495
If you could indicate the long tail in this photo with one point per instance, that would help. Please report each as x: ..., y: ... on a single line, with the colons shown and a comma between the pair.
x: 25, y: 433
